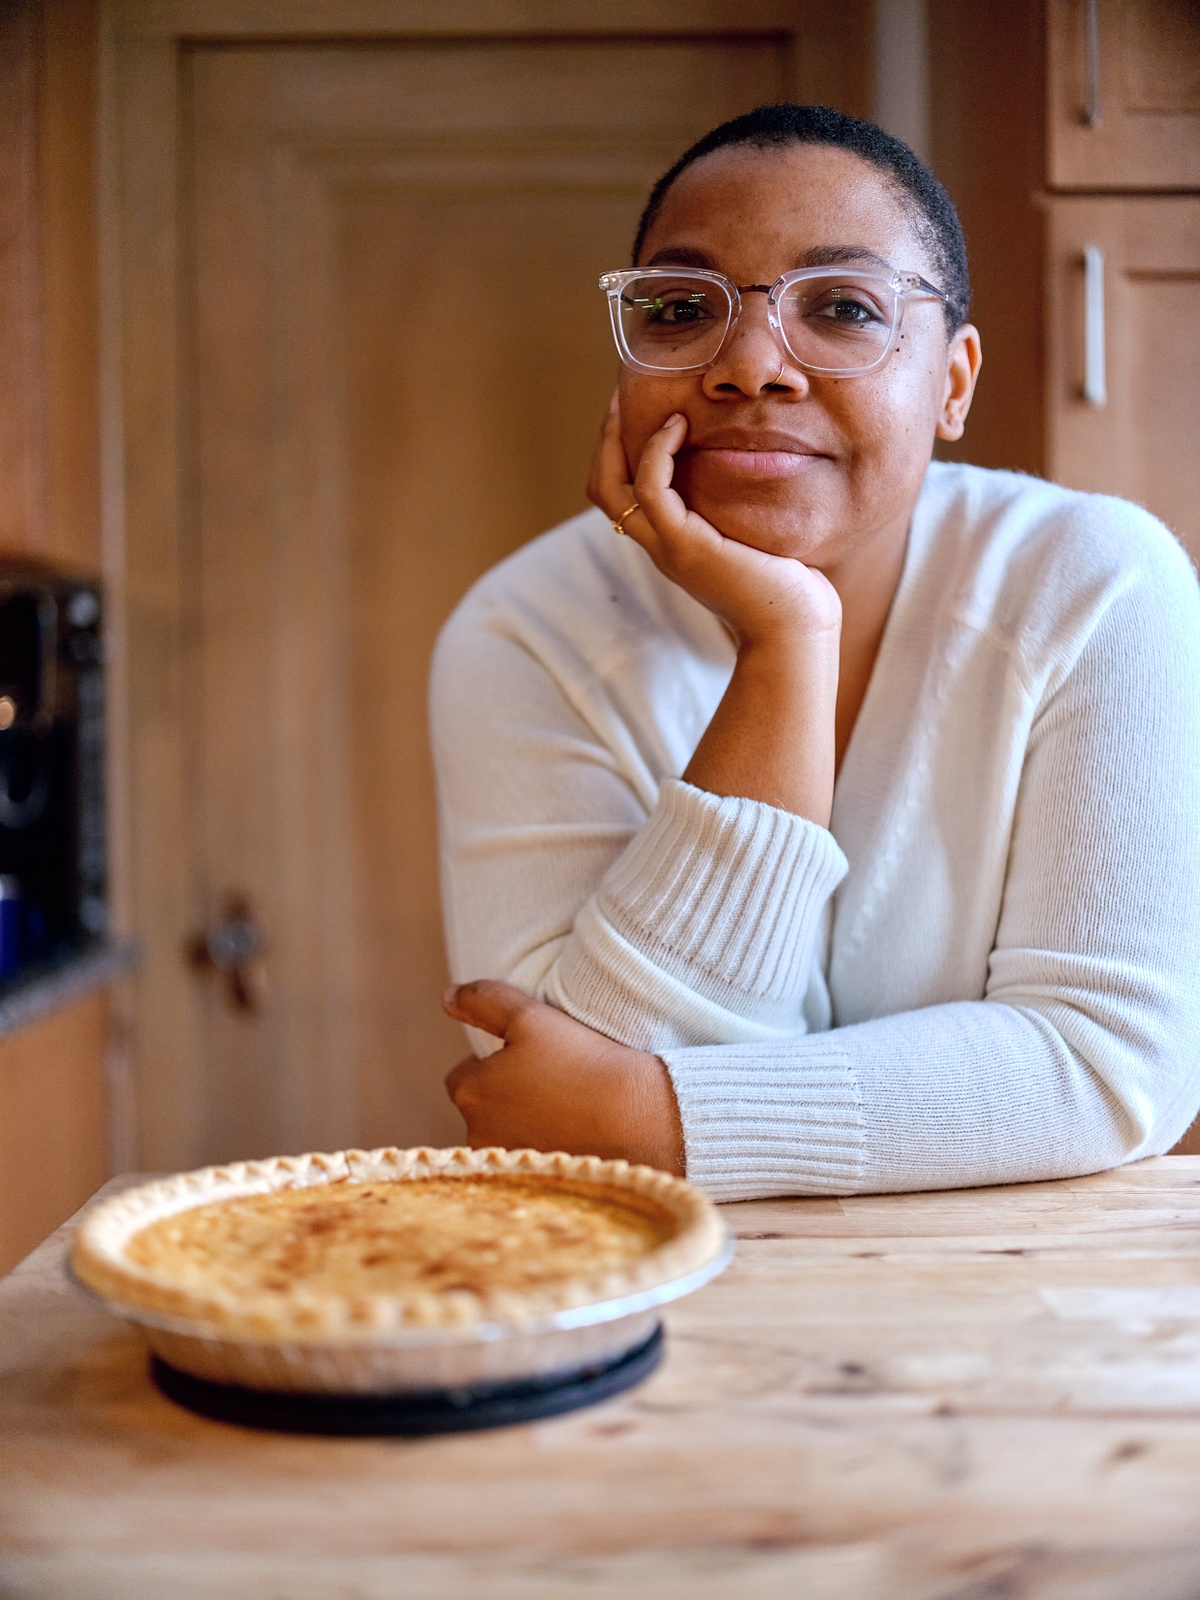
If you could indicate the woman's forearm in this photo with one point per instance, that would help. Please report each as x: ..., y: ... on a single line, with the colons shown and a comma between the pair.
x: 948, y: 1096
x: 772, y: 736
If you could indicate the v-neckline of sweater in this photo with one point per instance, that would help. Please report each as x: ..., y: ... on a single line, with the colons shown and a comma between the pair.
x: 850, y: 781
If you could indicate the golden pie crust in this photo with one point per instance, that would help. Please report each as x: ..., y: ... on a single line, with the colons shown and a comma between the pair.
x: 360, y: 1243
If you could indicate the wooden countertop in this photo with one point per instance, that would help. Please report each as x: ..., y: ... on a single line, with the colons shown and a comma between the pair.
x: 960, y: 1396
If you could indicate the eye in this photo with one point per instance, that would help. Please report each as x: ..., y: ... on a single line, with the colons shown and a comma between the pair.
x: 675, y: 309
x: 848, y: 307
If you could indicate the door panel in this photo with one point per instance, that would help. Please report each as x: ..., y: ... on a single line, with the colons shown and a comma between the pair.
x: 1141, y: 442
x: 1123, y: 110
x: 399, y: 360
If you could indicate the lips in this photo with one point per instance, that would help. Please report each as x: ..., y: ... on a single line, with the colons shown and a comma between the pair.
x: 755, y: 440
x: 755, y: 453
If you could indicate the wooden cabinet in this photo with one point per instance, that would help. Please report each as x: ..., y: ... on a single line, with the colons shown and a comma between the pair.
x: 1123, y: 357
x: 1068, y: 133
x: 53, y: 1153
x: 1122, y: 306
x: 1040, y: 192
x: 53, y: 1083
x: 1122, y: 288
x: 1123, y: 108
x: 363, y: 357
x: 400, y: 364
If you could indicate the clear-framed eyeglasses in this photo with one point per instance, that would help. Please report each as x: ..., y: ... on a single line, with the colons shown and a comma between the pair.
x: 843, y: 321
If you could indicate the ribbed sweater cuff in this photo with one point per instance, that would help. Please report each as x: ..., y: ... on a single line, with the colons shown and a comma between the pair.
x: 732, y: 887
x: 771, y: 1118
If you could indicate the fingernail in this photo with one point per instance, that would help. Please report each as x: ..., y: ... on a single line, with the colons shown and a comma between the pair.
x: 450, y: 995
x: 676, y: 416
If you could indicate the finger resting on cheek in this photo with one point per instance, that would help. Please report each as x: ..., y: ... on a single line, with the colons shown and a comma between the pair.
x: 654, y: 474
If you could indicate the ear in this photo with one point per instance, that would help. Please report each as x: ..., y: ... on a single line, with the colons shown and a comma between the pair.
x: 963, y: 361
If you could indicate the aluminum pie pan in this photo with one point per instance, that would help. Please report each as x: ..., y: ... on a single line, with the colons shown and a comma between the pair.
x: 415, y: 1359
x: 388, y: 1356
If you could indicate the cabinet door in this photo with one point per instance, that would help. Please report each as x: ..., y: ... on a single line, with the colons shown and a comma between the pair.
x: 1129, y: 425
x: 53, y: 1114
x: 362, y: 356
x: 1123, y: 101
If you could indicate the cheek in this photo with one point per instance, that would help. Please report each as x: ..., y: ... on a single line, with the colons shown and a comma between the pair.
x: 918, y: 372
x: 893, y: 417
x: 646, y: 403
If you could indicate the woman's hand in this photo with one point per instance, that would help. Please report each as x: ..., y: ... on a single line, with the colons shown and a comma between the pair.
x: 763, y: 598
x: 558, y: 1085
x: 773, y: 736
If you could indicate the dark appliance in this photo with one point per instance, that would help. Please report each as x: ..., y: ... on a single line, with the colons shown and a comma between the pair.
x: 52, y: 826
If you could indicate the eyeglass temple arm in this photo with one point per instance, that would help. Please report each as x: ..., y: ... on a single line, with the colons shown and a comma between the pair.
x: 932, y: 288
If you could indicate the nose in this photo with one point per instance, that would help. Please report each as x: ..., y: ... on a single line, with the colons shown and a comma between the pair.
x: 753, y: 358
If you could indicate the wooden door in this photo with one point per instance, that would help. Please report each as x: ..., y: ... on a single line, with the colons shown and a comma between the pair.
x: 362, y: 357
x: 401, y: 361
x: 1123, y: 109
x: 1135, y: 435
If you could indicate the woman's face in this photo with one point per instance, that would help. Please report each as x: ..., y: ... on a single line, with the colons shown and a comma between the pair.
x: 816, y: 468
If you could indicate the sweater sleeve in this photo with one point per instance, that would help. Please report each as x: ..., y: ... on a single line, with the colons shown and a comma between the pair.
x: 1085, y: 1050
x: 657, y: 914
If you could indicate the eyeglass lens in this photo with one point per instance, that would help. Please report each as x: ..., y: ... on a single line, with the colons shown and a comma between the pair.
x: 836, y: 322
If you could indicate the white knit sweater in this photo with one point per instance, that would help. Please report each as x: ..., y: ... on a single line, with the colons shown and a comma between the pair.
x: 987, y: 969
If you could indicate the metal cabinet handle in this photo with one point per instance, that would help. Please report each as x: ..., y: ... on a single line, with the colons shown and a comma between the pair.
x: 235, y: 948
x: 1091, y: 64
x: 1095, y: 388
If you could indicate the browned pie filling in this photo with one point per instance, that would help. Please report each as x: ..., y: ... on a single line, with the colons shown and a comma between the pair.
x: 479, y: 1233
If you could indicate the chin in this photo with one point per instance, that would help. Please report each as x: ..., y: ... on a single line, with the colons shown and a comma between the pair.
x: 799, y: 532
x: 781, y: 517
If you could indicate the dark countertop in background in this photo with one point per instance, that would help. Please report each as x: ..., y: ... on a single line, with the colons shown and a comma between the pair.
x: 34, y: 994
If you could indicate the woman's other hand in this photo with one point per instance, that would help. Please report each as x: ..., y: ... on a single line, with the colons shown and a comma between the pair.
x: 762, y: 598
x: 558, y: 1085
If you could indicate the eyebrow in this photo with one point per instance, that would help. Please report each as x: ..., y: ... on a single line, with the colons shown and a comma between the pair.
x: 828, y: 255
x: 838, y: 255
x: 682, y: 256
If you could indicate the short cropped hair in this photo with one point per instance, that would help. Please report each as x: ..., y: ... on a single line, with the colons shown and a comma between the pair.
x: 775, y: 127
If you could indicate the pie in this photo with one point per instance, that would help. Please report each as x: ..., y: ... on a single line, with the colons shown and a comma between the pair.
x: 359, y: 1244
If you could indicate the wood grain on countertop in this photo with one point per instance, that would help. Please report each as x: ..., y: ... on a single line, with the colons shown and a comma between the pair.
x: 972, y: 1395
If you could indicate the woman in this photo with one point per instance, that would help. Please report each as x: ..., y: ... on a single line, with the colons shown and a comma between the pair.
x: 834, y: 828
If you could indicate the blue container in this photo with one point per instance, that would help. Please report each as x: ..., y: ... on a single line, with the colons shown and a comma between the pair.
x: 10, y: 925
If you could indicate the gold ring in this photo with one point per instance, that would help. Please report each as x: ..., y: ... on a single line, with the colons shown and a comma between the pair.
x: 619, y: 524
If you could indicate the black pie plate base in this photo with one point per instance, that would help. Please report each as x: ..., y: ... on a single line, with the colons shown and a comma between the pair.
x: 415, y: 1412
